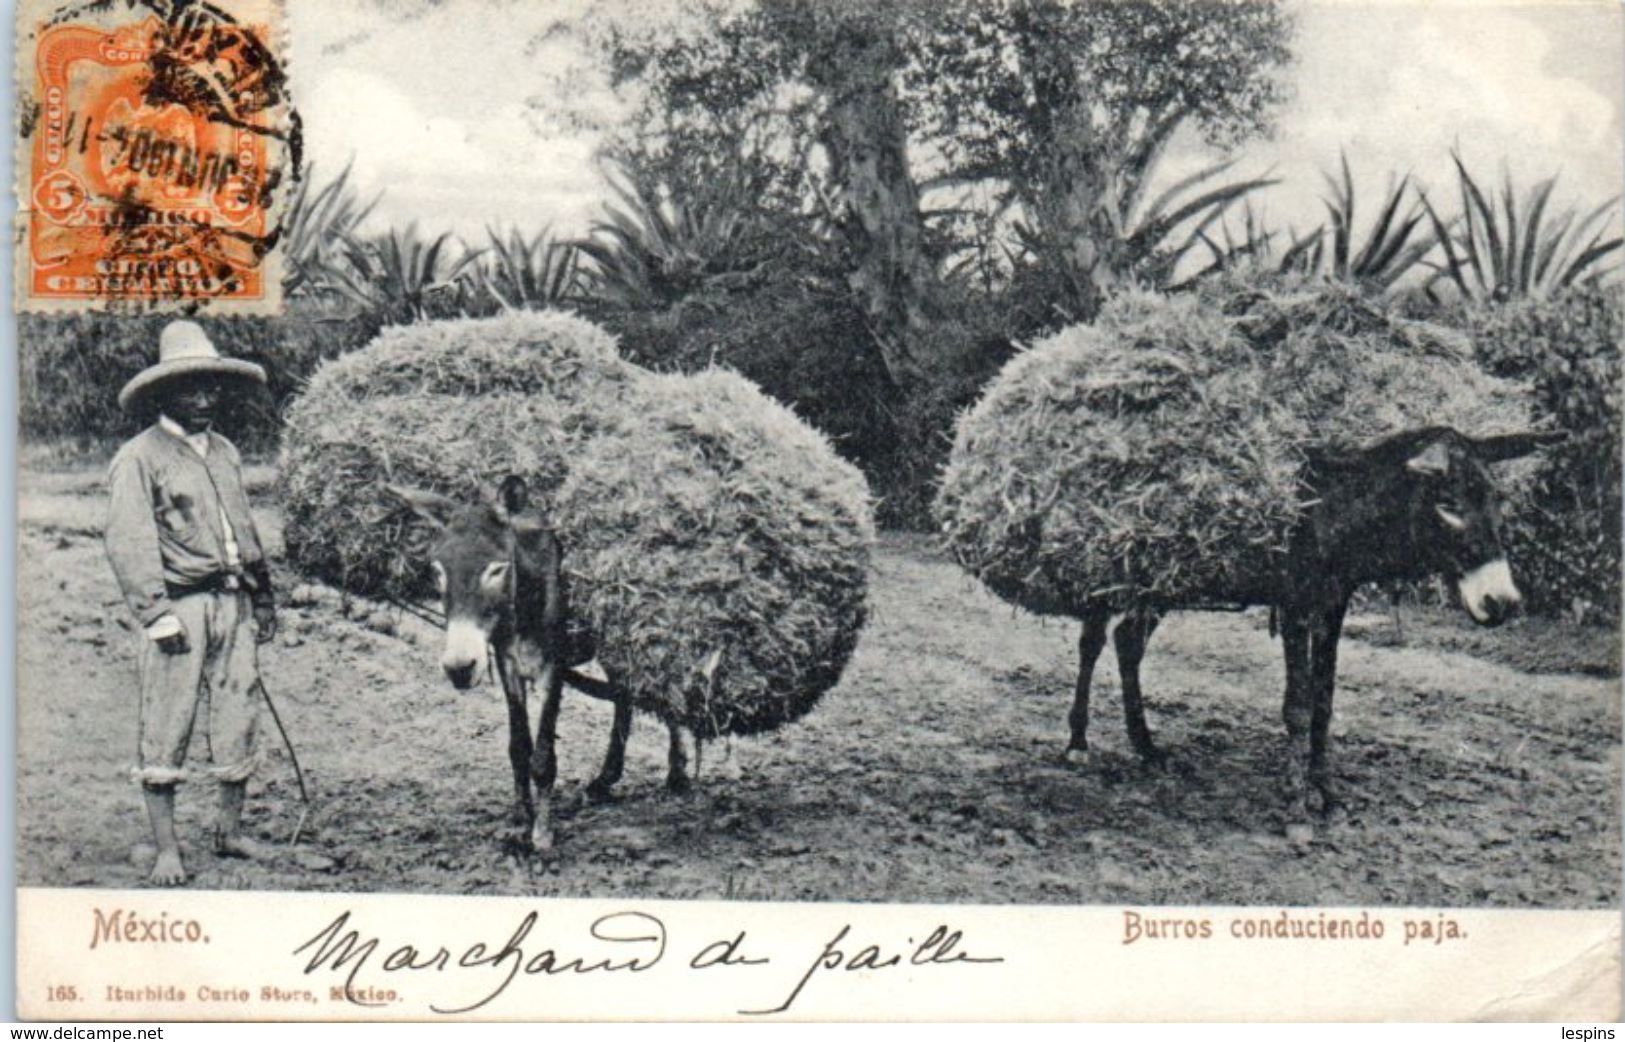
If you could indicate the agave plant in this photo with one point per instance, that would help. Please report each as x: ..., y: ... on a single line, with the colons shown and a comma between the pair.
x: 397, y: 276
x: 1500, y: 249
x: 1377, y: 257
x: 316, y: 230
x: 1153, y: 240
x: 657, y: 247
x: 530, y: 273
x: 1151, y: 233
x: 1253, y: 246
x: 1393, y: 245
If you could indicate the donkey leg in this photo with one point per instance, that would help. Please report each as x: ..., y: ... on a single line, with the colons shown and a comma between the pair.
x: 1297, y: 712
x: 544, y: 764
x: 1323, y: 665
x: 592, y: 686
x: 677, y: 780
x: 1090, y: 643
x: 615, y: 756
x: 1132, y: 635
x: 519, y: 744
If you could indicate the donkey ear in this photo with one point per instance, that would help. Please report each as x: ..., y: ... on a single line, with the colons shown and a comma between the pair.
x: 1433, y: 461
x: 430, y: 506
x: 1511, y: 446
x: 513, y: 494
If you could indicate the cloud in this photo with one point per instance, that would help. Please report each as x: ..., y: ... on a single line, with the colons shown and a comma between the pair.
x: 435, y: 112
x: 349, y: 111
x: 449, y: 111
x: 1399, y: 86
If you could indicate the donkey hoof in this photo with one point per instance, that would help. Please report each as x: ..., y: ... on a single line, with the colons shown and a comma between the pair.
x: 1076, y: 757
x: 1333, y: 811
x: 1152, y: 758
x: 679, y: 784
x: 1322, y: 798
x: 542, y: 841
x: 600, y: 791
x: 520, y: 816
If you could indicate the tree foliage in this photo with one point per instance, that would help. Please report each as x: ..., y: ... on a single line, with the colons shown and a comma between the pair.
x: 1071, y: 106
x: 965, y: 173
x: 882, y: 119
x: 1564, y: 520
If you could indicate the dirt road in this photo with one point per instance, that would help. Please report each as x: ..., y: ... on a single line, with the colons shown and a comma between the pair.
x: 930, y: 774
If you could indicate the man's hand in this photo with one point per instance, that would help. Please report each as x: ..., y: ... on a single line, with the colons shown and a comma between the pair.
x: 265, y: 619
x: 169, y: 634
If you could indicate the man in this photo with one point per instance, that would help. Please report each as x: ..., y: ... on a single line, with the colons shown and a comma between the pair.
x: 189, y: 562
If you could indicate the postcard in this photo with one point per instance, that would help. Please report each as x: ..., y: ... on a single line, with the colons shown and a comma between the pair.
x: 618, y: 511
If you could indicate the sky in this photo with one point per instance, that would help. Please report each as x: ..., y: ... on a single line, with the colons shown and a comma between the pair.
x: 453, y: 108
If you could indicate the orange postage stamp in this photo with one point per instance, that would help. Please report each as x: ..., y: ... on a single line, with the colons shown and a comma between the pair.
x: 157, y: 142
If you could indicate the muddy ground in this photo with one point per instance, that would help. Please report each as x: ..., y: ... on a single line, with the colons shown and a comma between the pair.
x: 1478, y: 767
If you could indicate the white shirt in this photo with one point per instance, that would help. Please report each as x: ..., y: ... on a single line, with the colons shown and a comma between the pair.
x: 168, y: 625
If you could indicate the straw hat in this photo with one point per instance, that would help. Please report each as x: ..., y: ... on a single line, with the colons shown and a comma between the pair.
x: 184, y: 349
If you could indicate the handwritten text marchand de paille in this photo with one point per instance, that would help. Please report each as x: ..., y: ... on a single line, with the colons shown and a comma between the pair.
x: 627, y: 942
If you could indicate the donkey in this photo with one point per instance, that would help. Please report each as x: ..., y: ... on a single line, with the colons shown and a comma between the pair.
x: 1407, y: 506
x: 501, y: 578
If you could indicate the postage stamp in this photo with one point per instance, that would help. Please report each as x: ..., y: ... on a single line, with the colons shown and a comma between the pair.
x: 156, y: 149
x: 819, y: 510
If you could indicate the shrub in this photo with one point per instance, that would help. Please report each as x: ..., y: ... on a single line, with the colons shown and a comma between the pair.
x: 804, y: 343
x: 72, y: 366
x: 1563, y: 520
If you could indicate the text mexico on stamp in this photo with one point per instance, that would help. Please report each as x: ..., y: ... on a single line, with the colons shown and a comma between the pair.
x: 156, y: 143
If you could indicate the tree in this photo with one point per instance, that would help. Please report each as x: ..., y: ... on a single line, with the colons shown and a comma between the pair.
x: 797, y: 99
x: 850, y: 52
x: 888, y: 148
x: 1065, y: 106
x: 1071, y: 105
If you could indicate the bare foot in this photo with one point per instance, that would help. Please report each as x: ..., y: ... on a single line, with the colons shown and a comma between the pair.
x: 167, y: 869
x: 239, y: 845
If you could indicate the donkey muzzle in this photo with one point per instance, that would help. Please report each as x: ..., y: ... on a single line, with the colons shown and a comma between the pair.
x: 1489, y: 594
x: 465, y: 647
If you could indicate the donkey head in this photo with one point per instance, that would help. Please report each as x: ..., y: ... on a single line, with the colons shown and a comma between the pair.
x: 1438, y: 480
x: 474, y: 565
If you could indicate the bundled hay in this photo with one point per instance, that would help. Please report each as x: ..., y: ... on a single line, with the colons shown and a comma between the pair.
x: 447, y: 406
x: 1156, y: 455
x: 341, y: 527
x: 715, y: 545
x: 718, y: 550
x: 550, y: 353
